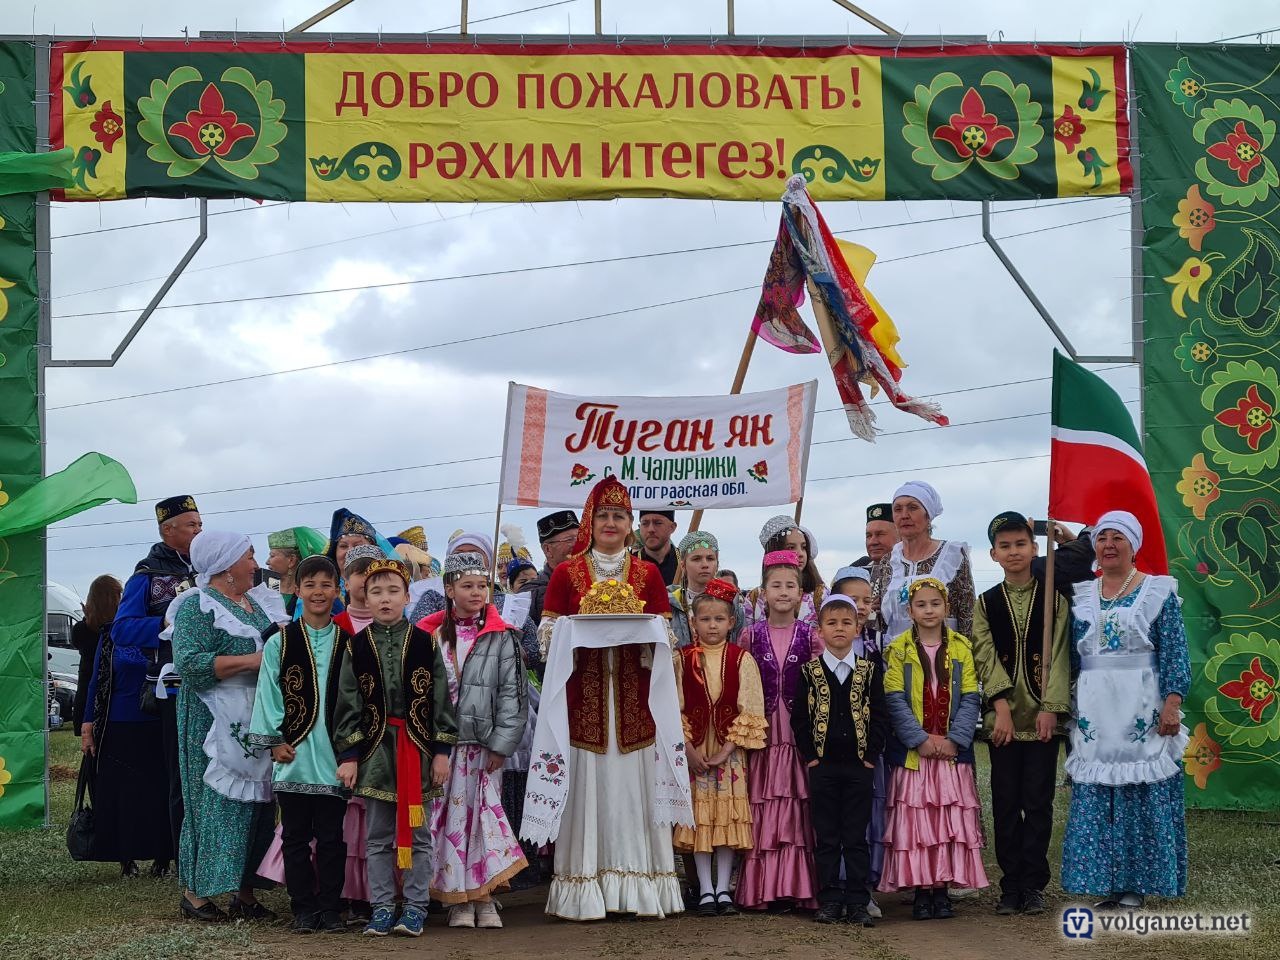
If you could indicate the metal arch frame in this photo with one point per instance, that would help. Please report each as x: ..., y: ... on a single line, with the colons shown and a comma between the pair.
x: 201, y: 235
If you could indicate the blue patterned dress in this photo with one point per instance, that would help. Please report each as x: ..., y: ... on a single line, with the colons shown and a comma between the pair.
x: 1127, y: 835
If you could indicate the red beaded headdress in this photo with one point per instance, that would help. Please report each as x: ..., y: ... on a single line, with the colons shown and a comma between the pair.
x: 721, y: 590
x: 609, y: 492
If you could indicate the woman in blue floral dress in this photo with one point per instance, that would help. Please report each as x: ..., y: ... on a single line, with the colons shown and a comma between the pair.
x: 1126, y: 831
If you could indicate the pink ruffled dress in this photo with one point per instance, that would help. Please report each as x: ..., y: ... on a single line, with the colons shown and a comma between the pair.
x: 932, y: 833
x: 780, y: 867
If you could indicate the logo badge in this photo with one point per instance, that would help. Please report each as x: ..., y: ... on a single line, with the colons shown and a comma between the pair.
x: 1077, y: 923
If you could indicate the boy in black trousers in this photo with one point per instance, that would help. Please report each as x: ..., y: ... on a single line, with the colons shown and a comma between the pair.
x: 839, y: 723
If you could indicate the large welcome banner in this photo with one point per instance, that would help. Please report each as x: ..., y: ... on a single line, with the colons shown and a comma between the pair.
x: 689, y: 453
x: 476, y: 122
x: 1211, y: 192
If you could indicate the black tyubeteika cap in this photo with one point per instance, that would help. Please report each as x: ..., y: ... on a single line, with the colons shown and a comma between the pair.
x: 557, y: 522
x: 669, y: 514
x: 880, y: 511
x: 1009, y: 520
x: 172, y: 507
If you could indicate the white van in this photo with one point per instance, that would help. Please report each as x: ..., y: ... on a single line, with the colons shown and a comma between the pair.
x: 63, y: 610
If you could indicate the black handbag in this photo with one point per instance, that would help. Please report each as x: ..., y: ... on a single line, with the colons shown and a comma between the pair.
x: 80, y: 830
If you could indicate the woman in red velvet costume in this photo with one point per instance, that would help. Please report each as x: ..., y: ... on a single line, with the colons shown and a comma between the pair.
x: 610, y: 855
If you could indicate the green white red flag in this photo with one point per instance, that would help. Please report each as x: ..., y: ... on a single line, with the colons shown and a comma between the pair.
x: 1096, y: 461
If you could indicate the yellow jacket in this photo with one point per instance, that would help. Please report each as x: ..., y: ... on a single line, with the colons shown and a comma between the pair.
x: 904, y: 694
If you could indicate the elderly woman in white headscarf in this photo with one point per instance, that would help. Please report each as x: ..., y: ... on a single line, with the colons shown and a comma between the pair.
x: 916, y: 505
x: 226, y: 782
x: 1126, y: 832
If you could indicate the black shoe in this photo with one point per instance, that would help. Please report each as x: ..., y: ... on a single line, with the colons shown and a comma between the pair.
x: 781, y: 907
x: 724, y: 904
x: 358, y: 913
x: 922, y: 906
x: 160, y: 869
x: 252, y: 912
x: 707, y: 905
x: 859, y: 917
x: 830, y: 913
x: 330, y: 921
x: 1033, y: 902
x: 304, y: 923
x: 942, y: 909
x: 1010, y: 903
x: 209, y: 913
x: 128, y: 868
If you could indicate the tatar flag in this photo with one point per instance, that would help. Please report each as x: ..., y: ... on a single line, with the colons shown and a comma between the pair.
x: 1096, y: 462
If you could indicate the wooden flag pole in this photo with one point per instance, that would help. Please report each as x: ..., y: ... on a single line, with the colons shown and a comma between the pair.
x: 739, y: 377
x: 1046, y: 653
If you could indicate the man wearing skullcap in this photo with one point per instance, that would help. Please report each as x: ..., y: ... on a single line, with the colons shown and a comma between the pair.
x: 656, y: 530
x: 556, y: 533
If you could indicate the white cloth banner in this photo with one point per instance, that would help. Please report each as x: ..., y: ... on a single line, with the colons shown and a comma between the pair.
x: 551, y: 756
x: 692, y: 453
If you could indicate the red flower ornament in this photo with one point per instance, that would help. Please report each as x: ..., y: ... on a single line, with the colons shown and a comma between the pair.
x: 1068, y: 129
x: 1255, y: 690
x: 107, y: 126
x: 1240, y: 151
x: 1252, y: 417
x: 213, y: 128
x: 973, y: 131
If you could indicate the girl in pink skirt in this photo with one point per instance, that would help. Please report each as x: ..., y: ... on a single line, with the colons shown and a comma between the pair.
x: 932, y: 834
x: 778, y: 873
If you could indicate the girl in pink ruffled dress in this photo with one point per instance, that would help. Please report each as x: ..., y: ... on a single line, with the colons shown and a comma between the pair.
x: 932, y: 834
x: 778, y: 873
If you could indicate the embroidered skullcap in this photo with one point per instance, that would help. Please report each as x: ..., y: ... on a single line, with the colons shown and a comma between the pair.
x: 360, y: 551
x: 345, y: 522
x: 837, y: 598
x: 557, y: 522
x: 880, y: 511
x: 1122, y: 522
x: 388, y: 565
x: 920, y: 582
x: 721, y: 590
x: 782, y: 558
x: 609, y: 492
x: 214, y: 551
x: 461, y: 564
x: 851, y: 573
x: 774, y: 526
x: 416, y: 536
x: 1009, y: 520
x: 172, y: 507
x: 924, y: 492
x: 696, y: 539
x: 465, y: 539
x: 283, y: 540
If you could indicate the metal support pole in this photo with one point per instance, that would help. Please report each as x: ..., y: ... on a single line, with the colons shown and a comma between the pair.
x: 1137, y: 238
x: 44, y: 343
x: 462, y: 20
x: 599, y: 32
x: 863, y: 15
x: 143, y: 317
x: 730, y: 12
x: 324, y: 14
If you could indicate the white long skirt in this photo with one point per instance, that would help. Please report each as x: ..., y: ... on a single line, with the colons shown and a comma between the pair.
x: 610, y: 857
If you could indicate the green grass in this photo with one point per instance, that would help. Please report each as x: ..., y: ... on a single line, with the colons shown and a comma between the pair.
x: 55, y: 908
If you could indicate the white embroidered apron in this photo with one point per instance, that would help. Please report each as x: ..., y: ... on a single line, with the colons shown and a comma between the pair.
x: 1115, y: 738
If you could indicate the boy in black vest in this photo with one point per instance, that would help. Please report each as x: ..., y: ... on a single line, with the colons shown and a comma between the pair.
x: 394, y: 728
x: 293, y: 715
x: 1023, y: 712
x: 839, y: 724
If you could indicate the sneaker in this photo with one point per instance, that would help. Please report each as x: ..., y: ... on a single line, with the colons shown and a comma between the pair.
x: 1011, y: 903
x: 922, y: 904
x: 873, y: 909
x: 859, y: 917
x: 963, y: 893
x: 330, y: 921
x: 462, y: 915
x: 380, y: 923
x: 487, y: 915
x: 412, y: 920
x: 1033, y: 902
x: 830, y: 913
x: 942, y: 909
x: 304, y: 923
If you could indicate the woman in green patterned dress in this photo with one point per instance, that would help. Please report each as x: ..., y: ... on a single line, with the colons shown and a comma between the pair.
x: 226, y: 782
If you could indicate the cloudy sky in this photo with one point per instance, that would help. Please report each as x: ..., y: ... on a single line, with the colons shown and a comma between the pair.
x: 414, y: 438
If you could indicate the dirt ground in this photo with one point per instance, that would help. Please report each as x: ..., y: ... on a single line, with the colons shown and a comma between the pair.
x: 974, y: 934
